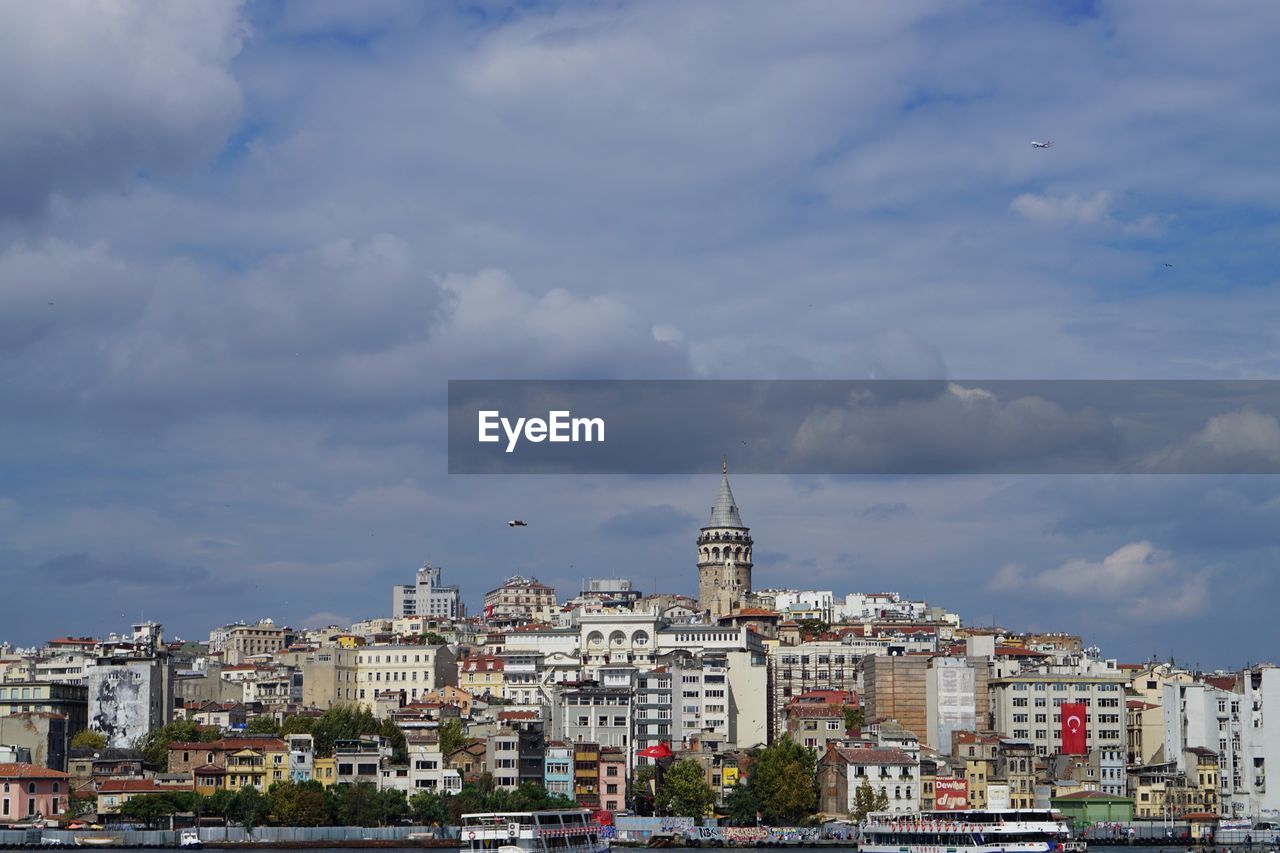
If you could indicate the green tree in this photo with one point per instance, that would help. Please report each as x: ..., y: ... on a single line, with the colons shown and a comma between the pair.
x: 812, y: 626
x: 89, y: 739
x: 221, y: 803
x: 783, y: 780
x: 452, y: 736
x: 298, y: 803
x: 429, y: 808
x: 352, y: 805
x: 866, y: 800
x: 854, y: 717
x: 348, y: 722
x: 147, y: 809
x: 250, y: 807
x: 641, y: 789
x: 155, y: 743
x: 742, y: 805
x: 431, y: 638
x: 684, y: 791
x: 296, y: 725
x: 262, y: 725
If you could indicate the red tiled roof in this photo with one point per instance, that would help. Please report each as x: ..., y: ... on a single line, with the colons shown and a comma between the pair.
x: 816, y: 709
x: 22, y: 770
x: 1222, y: 682
x: 129, y: 786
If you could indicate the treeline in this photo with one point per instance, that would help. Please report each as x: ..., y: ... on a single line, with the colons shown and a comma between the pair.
x: 780, y: 789
x: 360, y: 804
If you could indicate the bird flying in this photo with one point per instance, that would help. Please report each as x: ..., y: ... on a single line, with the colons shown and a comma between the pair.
x: 515, y: 522
x: 1048, y: 143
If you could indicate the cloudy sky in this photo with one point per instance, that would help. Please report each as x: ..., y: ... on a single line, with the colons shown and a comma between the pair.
x: 243, y: 248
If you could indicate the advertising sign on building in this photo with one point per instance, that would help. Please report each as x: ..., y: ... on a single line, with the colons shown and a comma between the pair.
x: 951, y: 794
x: 997, y: 796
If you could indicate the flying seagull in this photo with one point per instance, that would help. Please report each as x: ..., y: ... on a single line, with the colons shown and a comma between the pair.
x: 515, y: 522
x: 1048, y: 143
x: 1167, y: 264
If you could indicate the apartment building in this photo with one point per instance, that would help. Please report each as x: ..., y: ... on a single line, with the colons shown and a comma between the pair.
x: 415, y: 670
x: 1027, y: 706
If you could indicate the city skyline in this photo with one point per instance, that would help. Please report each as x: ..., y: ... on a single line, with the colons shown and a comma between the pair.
x: 243, y: 248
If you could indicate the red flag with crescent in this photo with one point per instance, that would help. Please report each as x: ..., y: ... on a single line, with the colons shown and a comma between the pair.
x: 1074, y: 729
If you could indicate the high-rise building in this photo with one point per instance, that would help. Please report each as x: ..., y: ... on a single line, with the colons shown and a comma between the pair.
x: 724, y: 556
x: 426, y: 596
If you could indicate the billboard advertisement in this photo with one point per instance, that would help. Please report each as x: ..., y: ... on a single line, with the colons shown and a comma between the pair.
x: 951, y: 794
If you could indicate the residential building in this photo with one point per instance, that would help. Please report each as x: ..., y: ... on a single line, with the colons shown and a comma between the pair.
x: 245, y: 641
x: 416, y: 670
x: 114, y: 793
x: 1026, y: 706
x: 130, y: 696
x: 613, y: 779
x: 234, y: 762
x: 481, y: 675
x: 361, y: 759
x: 69, y: 700
x: 586, y: 774
x: 590, y: 713
x: 558, y: 768
x: 794, y: 670
x: 653, y: 711
x: 28, y: 791
x: 427, y: 597
x: 502, y: 758
x: 41, y: 734
x: 329, y: 674
x: 520, y: 600
x: 814, y: 724
x: 893, y: 772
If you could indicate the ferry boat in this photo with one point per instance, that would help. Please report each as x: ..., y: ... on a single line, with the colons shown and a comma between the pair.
x: 562, y: 831
x: 968, y: 831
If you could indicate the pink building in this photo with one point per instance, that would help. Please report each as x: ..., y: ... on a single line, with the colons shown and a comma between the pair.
x: 613, y: 779
x: 28, y: 791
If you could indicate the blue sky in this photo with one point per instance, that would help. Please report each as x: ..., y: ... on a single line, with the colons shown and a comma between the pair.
x: 272, y: 231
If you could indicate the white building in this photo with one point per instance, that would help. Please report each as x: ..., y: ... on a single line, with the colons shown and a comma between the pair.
x: 895, y: 772
x: 1027, y: 707
x: 950, y: 700
x: 1251, y: 796
x: 415, y: 670
x: 426, y: 596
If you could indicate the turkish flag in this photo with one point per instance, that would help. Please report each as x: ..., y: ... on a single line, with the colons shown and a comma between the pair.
x: 1074, y: 717
x: 658, y: 750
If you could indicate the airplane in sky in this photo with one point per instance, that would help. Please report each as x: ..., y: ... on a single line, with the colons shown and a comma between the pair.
x: 1046, y: 144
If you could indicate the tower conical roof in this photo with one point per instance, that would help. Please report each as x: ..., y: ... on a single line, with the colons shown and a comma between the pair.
x: 725, y: 512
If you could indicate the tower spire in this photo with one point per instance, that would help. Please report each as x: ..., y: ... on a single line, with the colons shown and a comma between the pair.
x: 724, y: 467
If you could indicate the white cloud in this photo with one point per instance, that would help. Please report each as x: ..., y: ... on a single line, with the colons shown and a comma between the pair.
x: 95, y: 91
x: 1136, y: 580
x: 1071, y: 208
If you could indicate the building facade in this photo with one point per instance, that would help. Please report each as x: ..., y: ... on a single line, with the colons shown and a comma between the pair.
x: 427, y: 596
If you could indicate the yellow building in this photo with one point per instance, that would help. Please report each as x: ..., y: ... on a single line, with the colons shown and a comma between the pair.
x: 325, y: 771
x: 481, y: 675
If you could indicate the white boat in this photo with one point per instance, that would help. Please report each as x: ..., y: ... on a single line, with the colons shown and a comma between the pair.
x: 189, y: 839
x: 562, y: 831
x: 968, y: 831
